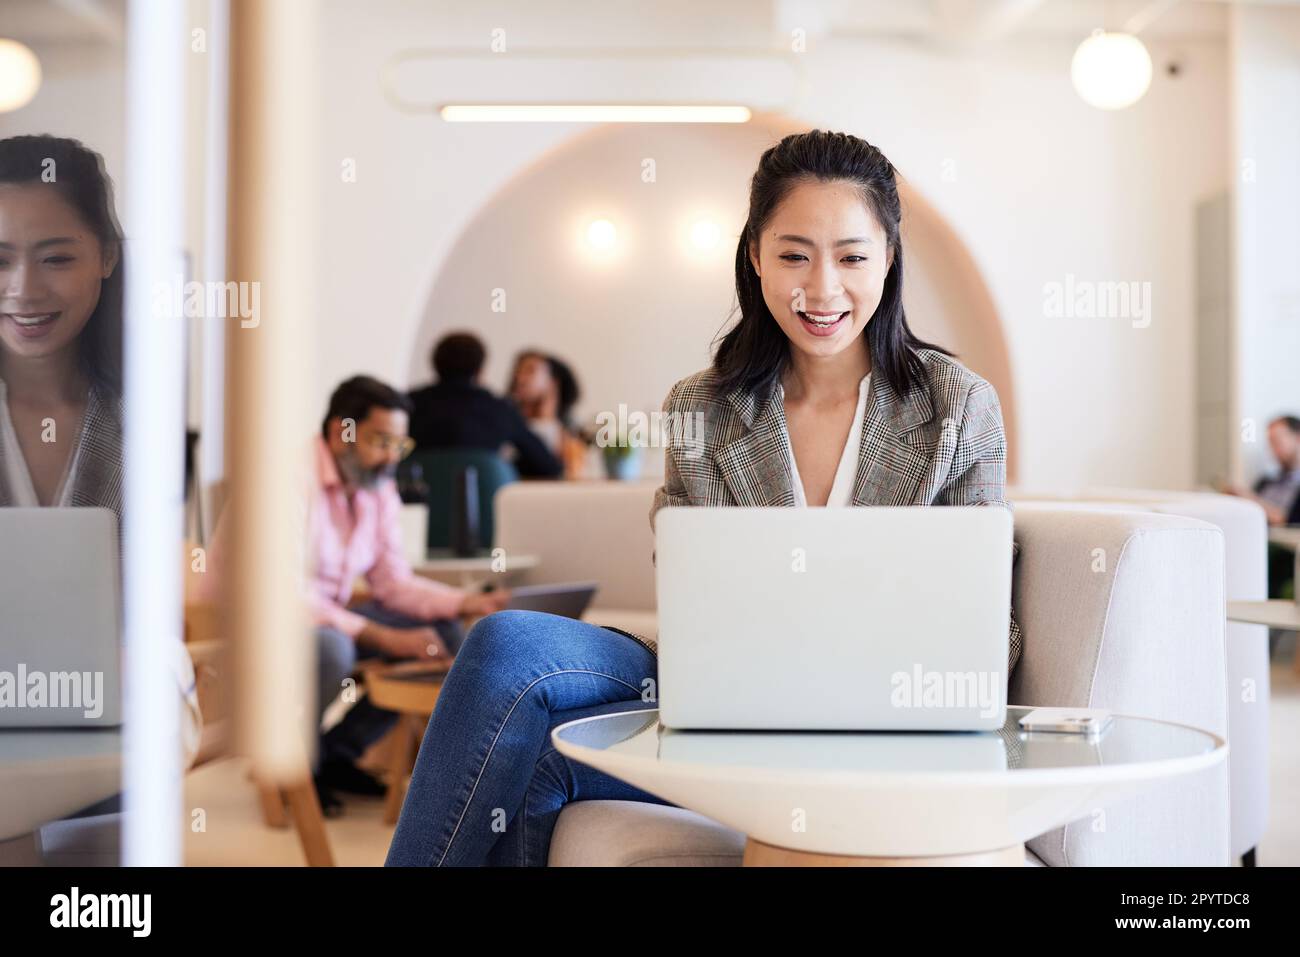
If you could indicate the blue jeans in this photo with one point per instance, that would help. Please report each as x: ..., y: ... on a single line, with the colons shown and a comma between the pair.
x: 488, y: 786
x: 337, y: 656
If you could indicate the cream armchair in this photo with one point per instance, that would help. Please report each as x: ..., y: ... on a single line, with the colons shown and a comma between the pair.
x: 1141, y: 632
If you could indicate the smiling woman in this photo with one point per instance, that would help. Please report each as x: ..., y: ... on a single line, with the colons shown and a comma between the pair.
x: 821, y: 245
x: 60, y: 327
x: 819, y: 395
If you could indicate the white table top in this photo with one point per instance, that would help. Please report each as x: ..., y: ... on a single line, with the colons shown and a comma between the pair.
x: 447, y: 561
x: 1275, y: 612
x: 889, y: 794
x: 1287, y: 535
x: 472, y: 571
x: 49, y: 774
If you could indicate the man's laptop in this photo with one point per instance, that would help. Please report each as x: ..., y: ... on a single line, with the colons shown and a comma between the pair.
x: 862, y: 619
x: 60, y: 618
x: 569, y: 599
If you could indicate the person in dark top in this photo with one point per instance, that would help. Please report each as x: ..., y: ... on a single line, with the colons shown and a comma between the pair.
x: 458, y: 413
x: 1281, y: 490
x: 1278, y: 494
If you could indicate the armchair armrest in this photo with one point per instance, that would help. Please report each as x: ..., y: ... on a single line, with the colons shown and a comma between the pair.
x: 1126, y: 611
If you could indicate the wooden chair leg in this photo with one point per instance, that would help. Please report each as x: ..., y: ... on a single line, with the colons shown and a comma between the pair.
x: 310, y: 823
x: 401, y: 761
x: 272, y: 802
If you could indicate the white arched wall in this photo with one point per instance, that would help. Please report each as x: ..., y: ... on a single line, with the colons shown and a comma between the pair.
x: 634, y: 322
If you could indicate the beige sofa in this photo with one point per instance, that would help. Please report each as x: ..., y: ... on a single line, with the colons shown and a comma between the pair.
x: 1145, y: 635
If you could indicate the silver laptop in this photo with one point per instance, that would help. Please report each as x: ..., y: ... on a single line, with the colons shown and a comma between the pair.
x: 60, y: 618
x: 836, y: 619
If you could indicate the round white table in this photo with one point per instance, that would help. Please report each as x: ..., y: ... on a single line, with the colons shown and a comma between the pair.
x: 1287, y: 536
x: 46, y: 774
x: 470, y: 571
x: 1279, y: 613
x: 887, y: 799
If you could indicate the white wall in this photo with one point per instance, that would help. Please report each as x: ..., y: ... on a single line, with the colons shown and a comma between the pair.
x: 1037, y: 184
x: 81, y: 96
x: 652, y: 305
x: 1266, y: 102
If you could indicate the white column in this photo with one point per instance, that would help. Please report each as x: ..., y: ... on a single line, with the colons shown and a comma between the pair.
x: 212, y: 463
x: 154, y: 431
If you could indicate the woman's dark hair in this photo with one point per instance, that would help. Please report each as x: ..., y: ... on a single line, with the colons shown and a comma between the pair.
x: 459, y: 355
x: 752, y: 355
x: 355, y: 398
x: 566, y: 383
x: 78, y: 175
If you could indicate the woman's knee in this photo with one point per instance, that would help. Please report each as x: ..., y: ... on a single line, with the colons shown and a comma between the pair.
x: 503, y: 635
x: 511, y: 649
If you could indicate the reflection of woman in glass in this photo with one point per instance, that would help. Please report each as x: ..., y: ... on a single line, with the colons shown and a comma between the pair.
x: 60, y: 327
x: 61, y: 275
x: 545, y: 390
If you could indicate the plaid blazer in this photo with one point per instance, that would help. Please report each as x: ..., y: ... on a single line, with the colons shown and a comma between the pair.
x: 98, y: 478
x: 941, y: 444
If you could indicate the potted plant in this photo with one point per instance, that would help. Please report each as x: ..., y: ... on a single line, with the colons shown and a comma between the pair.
x: 622, y: 458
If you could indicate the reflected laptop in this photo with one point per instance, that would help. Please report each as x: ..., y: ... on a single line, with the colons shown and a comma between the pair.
x: 833, y: 619
x: 811, y: 751
x: 60, y: 618
x: 569, y: 600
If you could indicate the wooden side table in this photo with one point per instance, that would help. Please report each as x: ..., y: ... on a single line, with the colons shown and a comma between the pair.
x: 411, y: 689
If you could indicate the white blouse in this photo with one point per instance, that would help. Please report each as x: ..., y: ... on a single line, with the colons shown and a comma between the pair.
x: 842, y: 488
x: 16, y: 471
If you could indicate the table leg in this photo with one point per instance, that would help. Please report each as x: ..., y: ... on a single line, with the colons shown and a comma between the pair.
x: 400, y: 765
x: 309, y: 822
x: 759, y: 854
x: 272, y: 802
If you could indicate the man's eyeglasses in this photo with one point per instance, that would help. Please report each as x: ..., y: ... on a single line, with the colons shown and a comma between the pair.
x: 404, y: 445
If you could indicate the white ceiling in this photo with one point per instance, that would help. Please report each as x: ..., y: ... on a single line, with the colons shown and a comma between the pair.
x: 974, y: 21
x: 42, y: 22
x: 955, y: 23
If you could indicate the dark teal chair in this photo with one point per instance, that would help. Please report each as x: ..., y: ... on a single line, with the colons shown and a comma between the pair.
x: 439, y: 470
